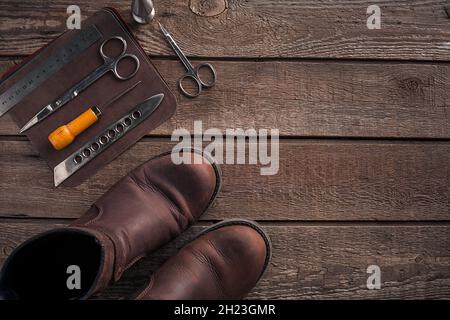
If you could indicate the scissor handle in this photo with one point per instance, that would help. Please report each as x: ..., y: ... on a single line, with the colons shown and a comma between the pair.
x: 213, y: 72
x: 124, y: 48
x: 133, y: 73
x: 194, y: 74
x: 116, y: 60
x: 196, y: 81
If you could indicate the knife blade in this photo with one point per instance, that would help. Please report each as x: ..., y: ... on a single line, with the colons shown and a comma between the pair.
x: 90, y: 150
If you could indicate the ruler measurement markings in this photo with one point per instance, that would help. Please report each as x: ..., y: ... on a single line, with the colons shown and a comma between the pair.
x: 37, y: 76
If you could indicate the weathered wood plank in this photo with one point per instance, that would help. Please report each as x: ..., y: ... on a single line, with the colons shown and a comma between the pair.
x: 237, y: 28
x: 314, y: 99
x: 311, y: 262
x: 317, y: 180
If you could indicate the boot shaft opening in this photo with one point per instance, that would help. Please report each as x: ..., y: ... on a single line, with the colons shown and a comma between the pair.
x: 59, y: 265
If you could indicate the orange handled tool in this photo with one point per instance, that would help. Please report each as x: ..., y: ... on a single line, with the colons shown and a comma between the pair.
x: 66, y: 134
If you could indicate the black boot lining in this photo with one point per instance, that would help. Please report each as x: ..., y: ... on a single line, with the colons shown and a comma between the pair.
x: 39, y: 269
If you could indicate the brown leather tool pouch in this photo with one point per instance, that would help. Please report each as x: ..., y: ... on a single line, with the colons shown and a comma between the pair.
x: 109, y: 23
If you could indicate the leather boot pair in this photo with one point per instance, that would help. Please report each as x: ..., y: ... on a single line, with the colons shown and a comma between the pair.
x: 152, y: 205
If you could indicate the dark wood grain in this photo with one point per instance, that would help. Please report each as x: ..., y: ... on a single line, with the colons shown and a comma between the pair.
x: 314, y: 99
x: 311, y: 69
x: 311, y: 262
x: 317, y: 180
x: 253, y: 28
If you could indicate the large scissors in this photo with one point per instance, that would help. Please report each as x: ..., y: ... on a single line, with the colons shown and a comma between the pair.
x: 110, y: 64
x: 193, y: 73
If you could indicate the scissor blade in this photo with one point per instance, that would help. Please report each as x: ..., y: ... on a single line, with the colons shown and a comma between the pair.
x: 177, y: 49
x: 68, y: 167
x: 164, y: 31
x: 29, y: 124
x: 47, y: 110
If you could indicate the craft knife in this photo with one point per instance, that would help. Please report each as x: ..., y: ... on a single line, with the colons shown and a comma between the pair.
x: 66, y: 134
x: 100, y: 143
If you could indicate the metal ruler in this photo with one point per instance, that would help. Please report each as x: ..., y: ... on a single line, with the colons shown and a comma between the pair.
x: 82, y: 40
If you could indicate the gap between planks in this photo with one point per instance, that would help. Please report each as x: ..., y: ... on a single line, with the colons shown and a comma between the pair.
x: 16, y: 59
x: 287, y: 139
x: 267, y: 223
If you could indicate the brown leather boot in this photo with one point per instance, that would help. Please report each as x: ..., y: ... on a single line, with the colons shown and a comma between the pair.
x: 223, y: 262
x: 149, y: 207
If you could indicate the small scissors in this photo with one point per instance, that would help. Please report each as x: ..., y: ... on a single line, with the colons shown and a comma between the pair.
x: 110, y: 64
x: 192, y: 73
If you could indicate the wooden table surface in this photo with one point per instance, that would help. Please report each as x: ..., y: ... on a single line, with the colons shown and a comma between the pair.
x: 364, y: 117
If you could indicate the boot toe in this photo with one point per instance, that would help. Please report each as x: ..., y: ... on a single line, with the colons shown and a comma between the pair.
x: 245, y: 253
x: 224, y: 262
